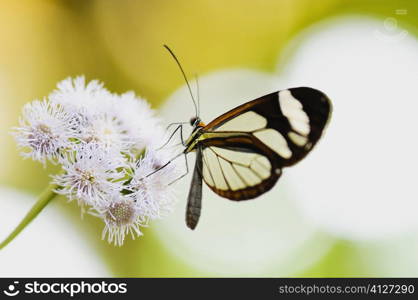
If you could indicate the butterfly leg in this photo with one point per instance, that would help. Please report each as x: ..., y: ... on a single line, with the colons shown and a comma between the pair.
x: 163, y: 166
x: 175, y: 123
x: 179, y: 127
x: 178, y: 144
x: 181, y: 137
x: 187, y: 171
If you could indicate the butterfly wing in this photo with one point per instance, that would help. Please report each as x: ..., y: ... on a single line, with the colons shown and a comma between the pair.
x: 246, y: 148
x: 289, y: 121
x: 239, y: 166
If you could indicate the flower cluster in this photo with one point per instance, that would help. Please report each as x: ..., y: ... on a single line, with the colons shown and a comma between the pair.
x: 107, y: 146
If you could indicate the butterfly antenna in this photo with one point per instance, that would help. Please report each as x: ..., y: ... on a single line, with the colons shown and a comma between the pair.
x: 185, y: 78
x: 198, y: 95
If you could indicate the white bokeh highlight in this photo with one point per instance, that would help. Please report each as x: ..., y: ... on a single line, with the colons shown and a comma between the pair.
x: 51, y: 246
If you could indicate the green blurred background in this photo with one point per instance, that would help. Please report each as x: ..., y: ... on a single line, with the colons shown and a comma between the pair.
x: 120, y: 43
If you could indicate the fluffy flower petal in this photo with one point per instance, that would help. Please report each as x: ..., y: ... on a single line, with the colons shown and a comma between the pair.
x: 45, y: 129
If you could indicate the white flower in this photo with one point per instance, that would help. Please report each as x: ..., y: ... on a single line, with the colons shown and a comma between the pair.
x: 93, y: 108
x: 90, y: 175
x: 45, y: 129
x: 121, y: 216
x: 150, y: 185
x: 75, y: 95
x: 99, y: 139
x: 106, y: 130
x: 123, y: 121
x: 139, y: 121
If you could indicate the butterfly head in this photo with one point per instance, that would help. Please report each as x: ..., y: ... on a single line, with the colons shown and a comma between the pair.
x: 196, y: 122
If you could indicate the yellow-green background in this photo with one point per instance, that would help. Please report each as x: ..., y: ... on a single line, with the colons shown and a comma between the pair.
x: 120, y: 43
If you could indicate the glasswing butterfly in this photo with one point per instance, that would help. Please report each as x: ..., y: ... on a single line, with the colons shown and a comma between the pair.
x: 240, y: 155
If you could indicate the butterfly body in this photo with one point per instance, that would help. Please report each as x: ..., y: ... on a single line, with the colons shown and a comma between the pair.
x: 241, y: 154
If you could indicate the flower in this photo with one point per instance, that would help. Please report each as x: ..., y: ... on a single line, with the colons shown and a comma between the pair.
x: 95, y: 111
x: 105, y: 144
x: 122, y: 121
x: 76, y: 95
x: 45, y: 128
x: 151, y: 184
x: 90, y: 174
x: 148, y: 196
x: 122, y: 217
x: 106, y: 130
x: 137, y: 118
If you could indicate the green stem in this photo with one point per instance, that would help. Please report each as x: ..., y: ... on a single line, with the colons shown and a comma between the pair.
x: 47, y: 195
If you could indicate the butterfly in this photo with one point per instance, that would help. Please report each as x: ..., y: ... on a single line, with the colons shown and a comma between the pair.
x: 241, y: 154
